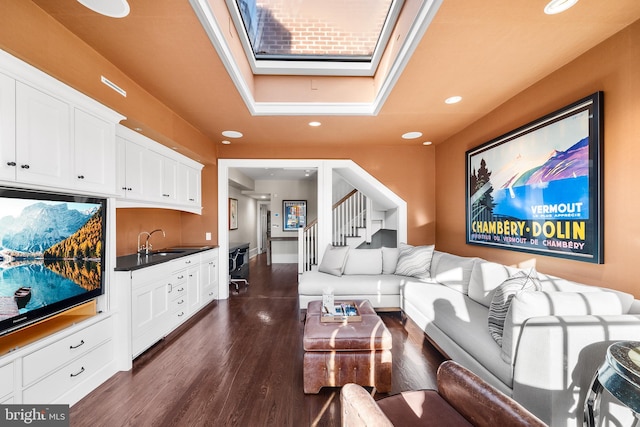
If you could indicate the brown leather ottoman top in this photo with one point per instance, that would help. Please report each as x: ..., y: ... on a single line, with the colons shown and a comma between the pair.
x: 367, y: 335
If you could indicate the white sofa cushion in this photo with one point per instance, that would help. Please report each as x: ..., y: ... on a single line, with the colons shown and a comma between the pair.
x: 314, y: 282
x: 485, y: 278
x: 461, y: 319
x: 363, y: 261
x: 334, y: 260
x: 414, y: 261
x: 526, y: 305
x: 389, y: 260
x: 452, y: 270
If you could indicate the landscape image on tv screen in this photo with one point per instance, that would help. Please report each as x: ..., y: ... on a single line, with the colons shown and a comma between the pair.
x: 51, y: 252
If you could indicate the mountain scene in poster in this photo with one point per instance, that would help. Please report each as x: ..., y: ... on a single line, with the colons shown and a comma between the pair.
x: 50, y: 250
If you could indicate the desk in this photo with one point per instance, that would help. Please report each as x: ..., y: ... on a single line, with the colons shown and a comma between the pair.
x: 277, y: 239
x: 243, y: 271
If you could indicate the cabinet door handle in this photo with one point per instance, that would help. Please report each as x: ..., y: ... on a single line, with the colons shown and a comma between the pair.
x: 24, y: 166
x: 71, y: 347
x: 80, y: 176
x: 170, y: 288
x: 78, y: 373
x: 11, y: 163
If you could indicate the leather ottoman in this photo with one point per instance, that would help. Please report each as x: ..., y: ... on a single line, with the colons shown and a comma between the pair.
x: 348, y: 352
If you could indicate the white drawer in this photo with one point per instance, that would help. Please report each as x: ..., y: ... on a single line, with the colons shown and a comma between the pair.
x: 178, y: 290
x: 179, y: 277
x: 178, y: 303
x: 187, y: 261
x: 69, y: 376
x: 6, y: 379
x: 64, y: 350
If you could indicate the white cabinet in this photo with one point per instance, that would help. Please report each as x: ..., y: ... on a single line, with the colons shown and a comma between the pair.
x: 169, y: 179
x: 7, y: 128
x: 61, y: 368
x: 188, y: 184
x: 130, y: 169
x: 165, y: 295
x: 6, y: 382
x: 209, y: 275
x: 42, y: 138
x: 194, y: 288
x: 52, y: 135
x: 151, y: 293
x: 94, y: 150
x: 152, y: 175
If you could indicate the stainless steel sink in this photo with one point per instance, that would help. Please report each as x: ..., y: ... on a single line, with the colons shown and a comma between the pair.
x: 165, y: 252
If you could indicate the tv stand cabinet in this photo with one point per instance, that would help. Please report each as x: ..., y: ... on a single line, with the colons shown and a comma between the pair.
x: 59, y: 360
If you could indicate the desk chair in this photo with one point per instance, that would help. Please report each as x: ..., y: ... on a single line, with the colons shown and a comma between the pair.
x: 236, y: 261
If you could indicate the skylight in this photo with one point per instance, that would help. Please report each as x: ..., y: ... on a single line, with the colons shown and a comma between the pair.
x: 334, y: 37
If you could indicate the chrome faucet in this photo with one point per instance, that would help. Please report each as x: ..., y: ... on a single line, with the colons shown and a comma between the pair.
x: 147, y: 246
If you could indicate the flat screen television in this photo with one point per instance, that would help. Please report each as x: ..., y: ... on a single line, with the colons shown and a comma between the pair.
x: 52, y: 250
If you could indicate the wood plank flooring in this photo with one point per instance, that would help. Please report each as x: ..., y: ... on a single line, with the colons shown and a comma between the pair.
x: 239, y: 363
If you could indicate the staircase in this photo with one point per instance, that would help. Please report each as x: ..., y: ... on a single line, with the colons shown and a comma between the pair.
x: 351, y: 226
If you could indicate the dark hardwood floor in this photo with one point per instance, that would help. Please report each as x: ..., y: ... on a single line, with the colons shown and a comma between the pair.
x: 239, y: 363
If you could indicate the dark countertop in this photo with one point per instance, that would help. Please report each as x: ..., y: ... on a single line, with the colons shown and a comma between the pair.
x: 138, y: 261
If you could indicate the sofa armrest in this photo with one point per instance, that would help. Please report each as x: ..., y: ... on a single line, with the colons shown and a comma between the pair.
x: 359, y: 409
x: 556, y: 358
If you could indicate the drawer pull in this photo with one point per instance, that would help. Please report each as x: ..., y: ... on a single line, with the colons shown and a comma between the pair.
x: 181, y: 289
x: 181, y: 314
x: 78, y: 373
x: 187, y: 262
x: 181, y: 301
x: 11, y: 163
x: 71, y: 347
x: 180, y: 277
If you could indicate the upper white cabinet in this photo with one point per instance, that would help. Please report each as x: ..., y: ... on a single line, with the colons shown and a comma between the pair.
x: 188, y: 185
x: 51, y: 135
x: 150, y: 174
x: 42, y: 138
x: 7, y: 128
x: 94, y: 151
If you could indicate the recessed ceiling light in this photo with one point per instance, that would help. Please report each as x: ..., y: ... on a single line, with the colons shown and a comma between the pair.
x: 112, y: 9
x: 427, y: 143
x: 412, y: 135
x: 225, y: 142
x: 232, y: 134
x: 138, y: 129
x: 557, y: 6
x: 314, y: 124
x: 453, y: 100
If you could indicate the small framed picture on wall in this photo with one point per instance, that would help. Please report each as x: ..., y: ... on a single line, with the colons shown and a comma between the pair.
x: 233, y: 214
x: 294, y: 214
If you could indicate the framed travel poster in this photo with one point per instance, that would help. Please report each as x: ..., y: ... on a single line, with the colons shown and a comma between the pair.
x: 538, y: 188
x: 294, y: 214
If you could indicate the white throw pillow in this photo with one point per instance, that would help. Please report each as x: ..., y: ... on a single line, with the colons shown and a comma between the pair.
x: 364, y: 261
x: 415, y: 261
x: 334, y: 260
x: 389, y: 260
x: 521, y: 281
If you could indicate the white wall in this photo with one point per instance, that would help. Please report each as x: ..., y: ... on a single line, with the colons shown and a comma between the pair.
x: 247, y: 217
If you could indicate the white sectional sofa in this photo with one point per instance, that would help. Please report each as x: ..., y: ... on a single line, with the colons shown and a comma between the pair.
x: 554, y: 338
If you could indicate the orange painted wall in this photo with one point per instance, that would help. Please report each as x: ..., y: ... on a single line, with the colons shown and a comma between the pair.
x: 408, y: 170
x: 30, y: 34
x: 612, y: 67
